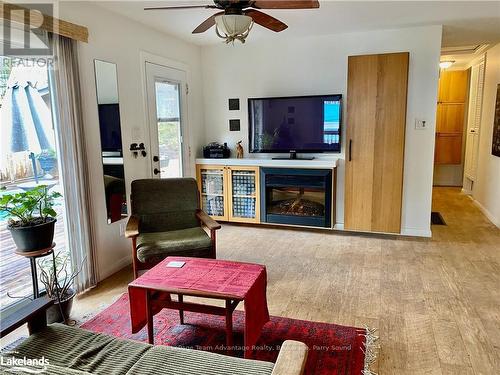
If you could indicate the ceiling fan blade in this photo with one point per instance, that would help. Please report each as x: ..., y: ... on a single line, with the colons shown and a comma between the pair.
x: 286, y: 4
x: 182, y: 7
x: 207, y: 24
x: 266, y: 20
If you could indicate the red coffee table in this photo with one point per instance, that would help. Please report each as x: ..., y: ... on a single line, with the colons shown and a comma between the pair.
x: 230, y: 281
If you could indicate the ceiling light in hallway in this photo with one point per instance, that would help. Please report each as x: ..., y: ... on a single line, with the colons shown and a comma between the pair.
x: 446, y: 64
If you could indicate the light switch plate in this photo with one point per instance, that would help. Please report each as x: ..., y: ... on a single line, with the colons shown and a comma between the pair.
x: 420, y: 124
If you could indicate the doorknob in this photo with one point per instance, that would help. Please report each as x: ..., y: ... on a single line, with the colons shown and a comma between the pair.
x: 156, y: 158
x: 156, y: 171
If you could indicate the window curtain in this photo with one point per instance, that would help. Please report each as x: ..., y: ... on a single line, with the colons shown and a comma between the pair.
x: 67, y: 111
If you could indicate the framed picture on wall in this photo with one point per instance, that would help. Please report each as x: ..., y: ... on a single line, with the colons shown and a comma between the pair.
x: 495, y: 148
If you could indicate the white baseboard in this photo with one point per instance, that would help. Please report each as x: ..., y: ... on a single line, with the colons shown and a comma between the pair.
x: 117, y: 266
x: 487, y: 213
x: 466, y: 191
x: 404, y: 232
x: 416, y: 232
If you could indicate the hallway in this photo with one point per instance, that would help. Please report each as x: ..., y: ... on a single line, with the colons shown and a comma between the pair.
x: 464, y: 220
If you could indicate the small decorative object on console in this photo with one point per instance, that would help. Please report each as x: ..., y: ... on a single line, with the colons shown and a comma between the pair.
x: 239, y: 150
x: 215, y: 150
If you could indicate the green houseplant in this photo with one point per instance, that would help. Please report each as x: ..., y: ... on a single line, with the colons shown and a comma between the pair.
x: 57, y: 278
x: 31, y: 217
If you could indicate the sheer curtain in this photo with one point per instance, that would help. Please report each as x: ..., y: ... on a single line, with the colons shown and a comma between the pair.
x: 67, y: 110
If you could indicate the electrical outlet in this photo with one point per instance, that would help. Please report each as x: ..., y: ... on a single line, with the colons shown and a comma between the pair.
x: 420, y: 124
x: 122, y: 229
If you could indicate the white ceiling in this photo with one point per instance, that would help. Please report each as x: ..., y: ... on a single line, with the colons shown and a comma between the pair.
x: 464, y: 56
x: 465, y: 23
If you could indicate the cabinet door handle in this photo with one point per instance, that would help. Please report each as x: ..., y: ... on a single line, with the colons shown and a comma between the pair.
x: 156, y: 171
x: 350, y: 149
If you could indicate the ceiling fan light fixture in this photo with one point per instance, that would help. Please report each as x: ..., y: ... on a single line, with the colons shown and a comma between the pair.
x: 231, y: 27
x: 446, y: 64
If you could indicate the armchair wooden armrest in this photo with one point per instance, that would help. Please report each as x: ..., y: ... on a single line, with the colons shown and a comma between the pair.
x: 132, y: 229
x: 210, y: 223
x: 291, y: 359
x: 34, y: 313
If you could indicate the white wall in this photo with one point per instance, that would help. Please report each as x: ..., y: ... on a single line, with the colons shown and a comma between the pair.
x: 486, y: 190
x: 119, y: 40
x: 318, y: 65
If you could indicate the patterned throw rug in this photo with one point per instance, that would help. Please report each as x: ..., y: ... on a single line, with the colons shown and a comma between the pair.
x: 333, y: 349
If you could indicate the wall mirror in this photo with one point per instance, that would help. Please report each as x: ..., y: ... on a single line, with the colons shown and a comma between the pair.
x: 111, y: 140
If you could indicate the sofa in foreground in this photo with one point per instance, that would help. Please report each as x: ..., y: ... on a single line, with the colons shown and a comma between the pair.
x: 60, y: 349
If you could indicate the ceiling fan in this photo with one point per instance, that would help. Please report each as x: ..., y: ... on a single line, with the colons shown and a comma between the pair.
x: 236, y: 17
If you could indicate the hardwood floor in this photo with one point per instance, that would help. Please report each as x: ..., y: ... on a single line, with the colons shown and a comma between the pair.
x: 435, y: 302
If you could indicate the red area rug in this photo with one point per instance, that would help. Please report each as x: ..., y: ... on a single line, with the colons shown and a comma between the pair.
x: 333, y: 349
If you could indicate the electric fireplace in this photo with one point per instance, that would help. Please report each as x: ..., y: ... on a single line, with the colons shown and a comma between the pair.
x: 296, y: 196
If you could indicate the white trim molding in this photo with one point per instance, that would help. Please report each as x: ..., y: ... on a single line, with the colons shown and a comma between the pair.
x: 415, y: 232
x: 488, y: 214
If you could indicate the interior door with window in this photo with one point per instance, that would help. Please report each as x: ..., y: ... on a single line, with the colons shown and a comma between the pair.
x: 166, y: 98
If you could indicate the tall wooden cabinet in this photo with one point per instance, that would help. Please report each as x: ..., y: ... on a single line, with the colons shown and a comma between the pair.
x: 452, y: 95
x: 376, y: 119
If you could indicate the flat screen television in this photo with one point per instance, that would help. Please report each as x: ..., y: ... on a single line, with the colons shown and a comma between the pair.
x: 295, y: 124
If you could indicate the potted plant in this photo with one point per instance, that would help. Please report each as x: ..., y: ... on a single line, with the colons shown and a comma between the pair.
x: 58, y: 285
x: 32, y: 217
x: 47, y: 159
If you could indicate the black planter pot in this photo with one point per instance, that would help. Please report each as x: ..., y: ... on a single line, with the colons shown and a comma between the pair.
x: 54, y: 312
x: 33, y: 238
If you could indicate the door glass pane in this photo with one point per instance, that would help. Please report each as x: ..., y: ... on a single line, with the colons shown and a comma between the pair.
x: 169, y: 128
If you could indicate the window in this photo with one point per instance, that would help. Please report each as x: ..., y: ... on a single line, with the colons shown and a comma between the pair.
x: 28, y: 157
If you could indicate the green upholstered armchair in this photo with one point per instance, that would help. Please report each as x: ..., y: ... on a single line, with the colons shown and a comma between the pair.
x: 166, y: 221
